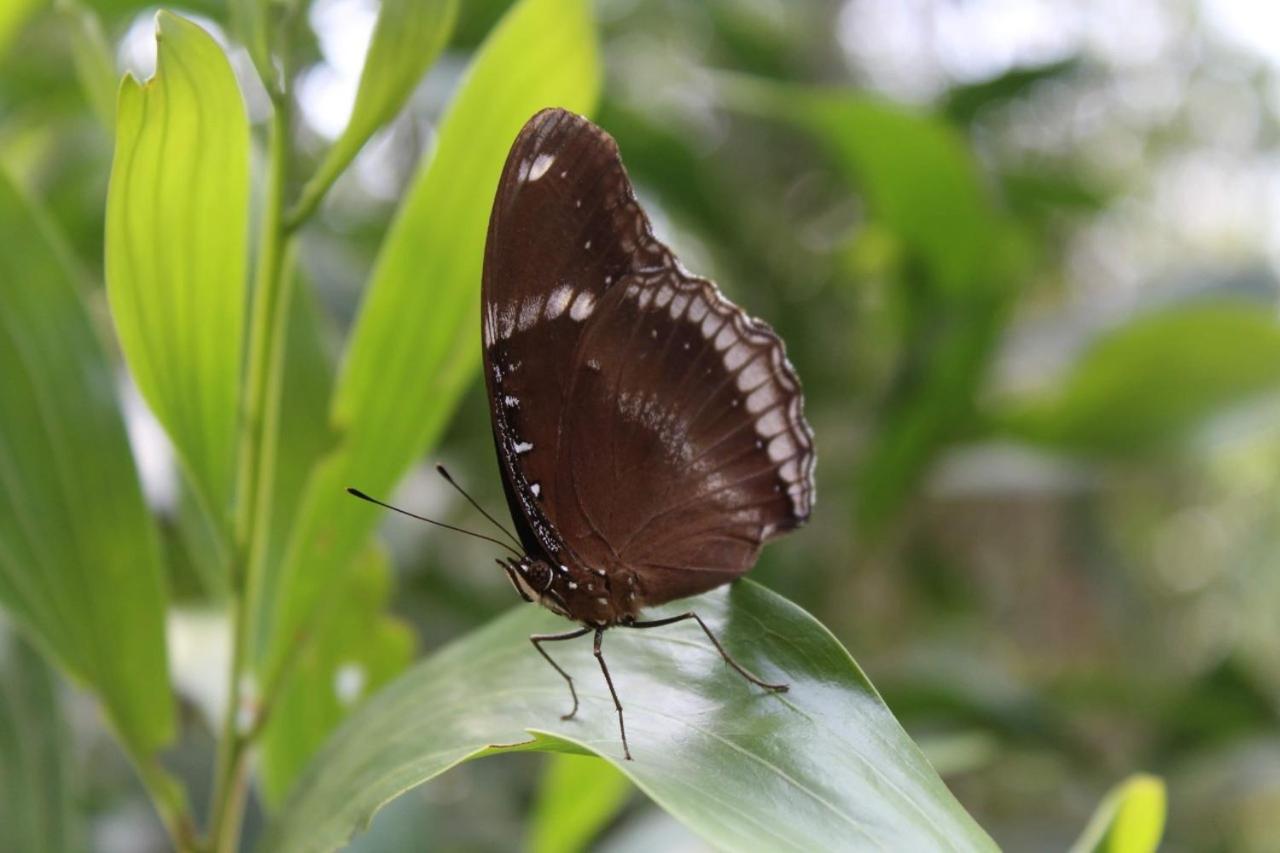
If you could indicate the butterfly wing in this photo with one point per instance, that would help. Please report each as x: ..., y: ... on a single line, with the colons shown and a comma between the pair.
x: 643, y: 421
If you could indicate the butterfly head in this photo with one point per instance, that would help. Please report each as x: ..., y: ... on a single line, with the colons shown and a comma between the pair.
x: 575, y: 592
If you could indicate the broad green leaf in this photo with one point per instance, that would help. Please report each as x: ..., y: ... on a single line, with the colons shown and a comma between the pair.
x: 35, y: 768
x: 577, y: 797
x: 79, y: 557
x: 824, y: 766
x: 1129, y: 820
x: 1152, y: 380
x: 95, y: 65
x: 415, y: 346
x: 177, y: 218
x: 357, y: 648
x: 407, y: 39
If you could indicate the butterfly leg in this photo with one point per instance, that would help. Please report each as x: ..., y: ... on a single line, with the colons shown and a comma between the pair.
x: 728, y: 658
x: 539, y: 639
x: 622, y: 727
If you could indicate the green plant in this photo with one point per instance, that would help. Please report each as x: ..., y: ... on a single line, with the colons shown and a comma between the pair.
x: 268, y: 433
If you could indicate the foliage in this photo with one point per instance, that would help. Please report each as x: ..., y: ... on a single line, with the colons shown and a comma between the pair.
x: 1100, y: 595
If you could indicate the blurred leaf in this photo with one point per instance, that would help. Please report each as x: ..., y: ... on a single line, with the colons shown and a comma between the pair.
x: 577, y: 797
x: 407, y: 39
x: 1129, y: 820
x: 95, y: 65
x: 249, y: 20
x: 176, y: 239
x: 79, y: 557
x: 13, y: 14
x: 1153, y: 379
x: 35, y: 748
x: 964, y: 103
x: 415, y: 346
x: 956, y: 285
x: 824, y: 766
x: 356, y: 649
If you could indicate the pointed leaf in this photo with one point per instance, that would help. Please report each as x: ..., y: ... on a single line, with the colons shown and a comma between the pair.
x: 79, y: 557
x: 1129, y: 820
x: 406, y: 41
x: 822, y: 767
x: 416, y: 343
x: 177, y: 209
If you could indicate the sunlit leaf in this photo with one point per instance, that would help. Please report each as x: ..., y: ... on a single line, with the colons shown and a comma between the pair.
x: 824, y: 766
x: 35, y: 767
x: 13, y: 15
x: 577, y: 797
x: 79, y: 557
x: 357, y: 648
x: 177, y: 211
x: 416, y: 343
x: 1152, y: 380
x: 408, y: 37
x: 1129, y: 820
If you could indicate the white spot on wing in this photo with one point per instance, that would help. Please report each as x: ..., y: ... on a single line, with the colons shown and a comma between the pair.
x: 697, y: 309
x: 737, y: 354
x: 583, y: 306
x: 529, y: 312
x: 781, y: 447
x: 523, y: 447
x: 510, y: 402
x: 507, y: 320
x: 771, y: 424
x: 540, y: 166
x: 536, y: 489
x: 558, y: 301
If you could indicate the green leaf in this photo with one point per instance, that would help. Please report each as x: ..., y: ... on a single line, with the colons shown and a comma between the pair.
x: 95, y: 65
x: 79, y: 556
x: 1154, y: 379
x: 824, y: 766
x: 577, y: 797
x: 35, y: 767
x: 357, y: 648
x: 407, y: 39
x: 13, y: 16
x: 1130, y: 818
x: 177, y: 218
x: 415, y: 346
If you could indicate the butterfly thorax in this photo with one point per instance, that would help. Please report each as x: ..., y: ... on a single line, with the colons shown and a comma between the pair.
x: 591, y: 596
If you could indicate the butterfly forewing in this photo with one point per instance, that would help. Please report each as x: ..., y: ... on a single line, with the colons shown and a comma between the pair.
x: 643, y: 422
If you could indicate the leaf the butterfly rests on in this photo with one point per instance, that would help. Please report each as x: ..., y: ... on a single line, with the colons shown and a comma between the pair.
x: 651, y: 435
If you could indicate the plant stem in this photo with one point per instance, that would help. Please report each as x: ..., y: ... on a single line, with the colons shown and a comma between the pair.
x: 256, y: 479
x: 170, y: 801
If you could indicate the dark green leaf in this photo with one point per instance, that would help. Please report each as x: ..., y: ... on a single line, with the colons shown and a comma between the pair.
x: 35, y: 768
x: 824, y: 766
x: 79, y: 557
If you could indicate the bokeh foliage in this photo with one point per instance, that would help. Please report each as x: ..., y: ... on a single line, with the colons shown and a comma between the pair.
x: 1054, y: 581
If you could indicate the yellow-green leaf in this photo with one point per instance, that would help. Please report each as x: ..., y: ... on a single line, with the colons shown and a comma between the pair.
x: 95, y: 66
x: 79, y: 556
x: 407, y: 39
x: 177, y: 218
x: 416, y: 346
x: 1130, y: 819
x: 577, y: 797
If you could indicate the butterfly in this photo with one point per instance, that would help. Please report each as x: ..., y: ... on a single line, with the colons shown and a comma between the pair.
x: 650, y: 435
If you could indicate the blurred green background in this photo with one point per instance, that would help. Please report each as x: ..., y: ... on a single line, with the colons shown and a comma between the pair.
x: 1023, y: 256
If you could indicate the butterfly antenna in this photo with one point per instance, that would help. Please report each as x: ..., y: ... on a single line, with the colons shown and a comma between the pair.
x: 362, y: 496
x: 472, y: 501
